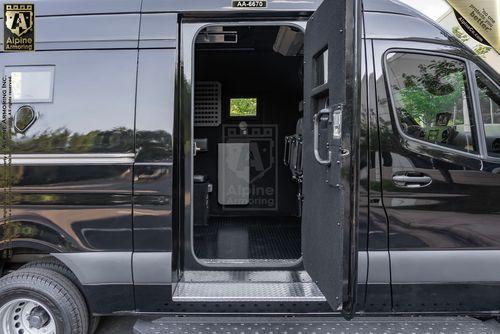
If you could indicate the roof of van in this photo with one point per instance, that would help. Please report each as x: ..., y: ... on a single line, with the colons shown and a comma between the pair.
x: 78, y: 7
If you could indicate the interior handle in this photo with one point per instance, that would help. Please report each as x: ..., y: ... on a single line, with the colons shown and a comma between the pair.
x: 316, y: 119
x: 411, y: 181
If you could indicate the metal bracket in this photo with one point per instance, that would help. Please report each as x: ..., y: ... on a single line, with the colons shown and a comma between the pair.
x: 337, y: 120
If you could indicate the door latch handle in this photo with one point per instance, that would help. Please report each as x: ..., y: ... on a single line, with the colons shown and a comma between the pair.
x: 317, y: 118
x: 411, y: 181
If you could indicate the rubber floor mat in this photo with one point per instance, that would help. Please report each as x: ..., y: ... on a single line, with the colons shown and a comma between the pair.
x: 248, y: 238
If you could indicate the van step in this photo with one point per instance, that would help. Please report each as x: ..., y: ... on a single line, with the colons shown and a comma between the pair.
x: 246, y: 276
x: 239, y: 292
x: 318, y: 325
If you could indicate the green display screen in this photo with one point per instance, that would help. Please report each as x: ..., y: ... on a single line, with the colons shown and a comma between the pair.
x: 243, y: 107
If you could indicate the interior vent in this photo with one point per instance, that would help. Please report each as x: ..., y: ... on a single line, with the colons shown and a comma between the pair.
x: 207, y: 103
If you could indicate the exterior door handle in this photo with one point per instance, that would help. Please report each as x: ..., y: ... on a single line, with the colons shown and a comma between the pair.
x: 411, y: 181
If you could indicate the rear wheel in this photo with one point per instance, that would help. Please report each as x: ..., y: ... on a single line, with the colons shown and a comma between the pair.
x: 51, y: 263
x: 41, y: 301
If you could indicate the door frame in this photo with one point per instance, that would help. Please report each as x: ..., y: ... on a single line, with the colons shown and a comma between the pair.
x: 188, y: 30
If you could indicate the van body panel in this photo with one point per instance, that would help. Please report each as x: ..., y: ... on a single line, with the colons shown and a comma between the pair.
x: 86, y: 32
x: 158, y: 30
x: 95, y: 179
x: 382, y: 26
x: 90, y: 217
x: 426, y: 218
x: 218, y: 6
x: 72, y: 180
x: 448, y: 230
x: 79, y: 7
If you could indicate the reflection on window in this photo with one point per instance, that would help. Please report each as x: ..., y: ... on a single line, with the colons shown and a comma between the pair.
x: 432, y: 99
x: 321, y: 65
x: 489, y: 99
x: 243, y: 107
x: 31, y: 83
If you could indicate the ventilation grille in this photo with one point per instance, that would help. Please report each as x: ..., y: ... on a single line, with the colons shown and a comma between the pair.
x: 207, y: 103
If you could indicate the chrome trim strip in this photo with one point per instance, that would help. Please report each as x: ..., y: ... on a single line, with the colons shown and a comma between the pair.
x: 72, y: 159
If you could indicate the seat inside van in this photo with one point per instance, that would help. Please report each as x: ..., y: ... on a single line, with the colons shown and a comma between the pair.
x: 248, y: 94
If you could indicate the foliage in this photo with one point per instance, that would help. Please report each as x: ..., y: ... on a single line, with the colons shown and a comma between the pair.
x: 460, y: 34
x: 480, y: 49
x: 243, y: 107
x: 437, y: 88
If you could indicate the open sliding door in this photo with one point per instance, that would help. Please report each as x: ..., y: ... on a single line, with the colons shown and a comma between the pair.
x: 330, y: 151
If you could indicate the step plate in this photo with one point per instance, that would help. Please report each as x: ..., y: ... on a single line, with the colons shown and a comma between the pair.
x: 246, y: 276
x: 317, y: 325
x: 254, y: 292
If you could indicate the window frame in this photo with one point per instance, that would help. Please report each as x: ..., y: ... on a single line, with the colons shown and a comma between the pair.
x: 477, y: 107
x: 481, y: 145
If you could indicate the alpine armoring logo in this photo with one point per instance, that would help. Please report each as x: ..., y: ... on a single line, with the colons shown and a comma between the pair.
x: 19, y: 28
x: 249, y: 168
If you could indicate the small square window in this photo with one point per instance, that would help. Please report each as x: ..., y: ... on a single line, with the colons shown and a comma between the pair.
x: 243, y: 107
x: 31, y: 84
x: 321, y: 68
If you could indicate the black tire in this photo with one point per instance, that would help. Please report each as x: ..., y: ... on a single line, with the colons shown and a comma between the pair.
x: 52, y: 263
x: 53, y: 291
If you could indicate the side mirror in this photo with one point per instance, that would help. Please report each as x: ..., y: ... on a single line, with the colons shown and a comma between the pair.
x: 24, y: 118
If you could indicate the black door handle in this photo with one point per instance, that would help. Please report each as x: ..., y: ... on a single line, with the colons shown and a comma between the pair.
x: 411, y: 181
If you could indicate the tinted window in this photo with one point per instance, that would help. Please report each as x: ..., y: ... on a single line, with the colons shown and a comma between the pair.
x: 83, y: 101
x: 432, y: 100
x: 489, y: 98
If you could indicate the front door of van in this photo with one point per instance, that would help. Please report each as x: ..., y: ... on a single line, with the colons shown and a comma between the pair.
x: 330, y: 148
x: 440, y: 176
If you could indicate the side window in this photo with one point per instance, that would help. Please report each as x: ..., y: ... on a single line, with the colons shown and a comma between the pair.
x: 72, y: 102
x: 489, y: 98
x: 432, y: 99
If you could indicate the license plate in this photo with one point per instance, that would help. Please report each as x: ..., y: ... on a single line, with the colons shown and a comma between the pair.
x: 249, y: 3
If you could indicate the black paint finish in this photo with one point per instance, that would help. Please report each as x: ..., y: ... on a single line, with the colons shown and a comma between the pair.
x: 129, y: 205
x: 67, y: 208
x: 109, y: 298
x: 458, y: 210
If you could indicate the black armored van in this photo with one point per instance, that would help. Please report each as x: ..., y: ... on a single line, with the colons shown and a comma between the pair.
x: 221, y: 156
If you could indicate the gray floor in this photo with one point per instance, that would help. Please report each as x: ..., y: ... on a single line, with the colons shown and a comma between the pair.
x: 281, y: 325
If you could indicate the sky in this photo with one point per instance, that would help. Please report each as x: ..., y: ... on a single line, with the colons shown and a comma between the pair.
x: 432, y: 8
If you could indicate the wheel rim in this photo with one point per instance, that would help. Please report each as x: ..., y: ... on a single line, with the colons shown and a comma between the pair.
x: 26, y: 316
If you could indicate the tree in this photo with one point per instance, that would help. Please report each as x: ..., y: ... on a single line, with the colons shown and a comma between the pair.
x: 438, y: 87
x: 480, y: 49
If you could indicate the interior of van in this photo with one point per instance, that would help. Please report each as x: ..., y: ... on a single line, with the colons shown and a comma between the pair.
x: 247, y: 173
